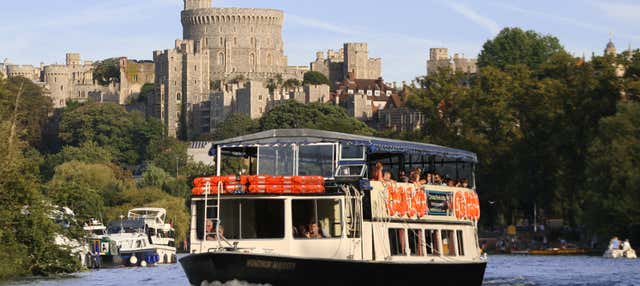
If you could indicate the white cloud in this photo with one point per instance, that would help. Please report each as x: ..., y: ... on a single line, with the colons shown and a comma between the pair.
x: 486, y: 22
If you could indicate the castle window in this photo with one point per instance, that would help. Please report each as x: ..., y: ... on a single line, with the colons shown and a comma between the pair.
x: 235, y: 41
x: 221, y: 58
x: 252, y: 61
x: 253, y: 40
x: 221, y: 40
x: 178, y: 97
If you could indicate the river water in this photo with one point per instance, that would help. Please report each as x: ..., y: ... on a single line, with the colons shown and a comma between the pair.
x: 501, y: 271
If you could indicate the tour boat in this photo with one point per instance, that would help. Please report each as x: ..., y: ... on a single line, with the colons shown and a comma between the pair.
x: 303, y: 211
x: 143, y: 239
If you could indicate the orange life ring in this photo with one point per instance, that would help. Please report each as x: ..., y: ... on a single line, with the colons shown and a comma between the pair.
x: 460, y: 205
x: 421, y: 203
x: 476, y: 200
x: 391, y: 197
x: 468, y: 196
x: 411, y: 201
x: 405, y: 201
x: 397, y: 200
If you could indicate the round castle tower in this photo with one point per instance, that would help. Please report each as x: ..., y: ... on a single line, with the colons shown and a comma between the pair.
x: 241, y: 41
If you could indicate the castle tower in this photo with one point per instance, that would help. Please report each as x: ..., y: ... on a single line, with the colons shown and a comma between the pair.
x: 356, y: 60
x: 240, y: 41
x: 197, y: 4
x: 73, y: 59
x: 611, y: 49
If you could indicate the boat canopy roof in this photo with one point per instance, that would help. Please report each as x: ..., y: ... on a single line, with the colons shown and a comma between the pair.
x: 128, y: 224
x: 374, y: 145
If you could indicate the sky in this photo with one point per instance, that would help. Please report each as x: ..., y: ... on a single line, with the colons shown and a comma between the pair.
x: 400, y: 31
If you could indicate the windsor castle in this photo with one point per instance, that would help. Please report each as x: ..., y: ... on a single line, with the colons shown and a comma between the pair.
x: 231, y: 60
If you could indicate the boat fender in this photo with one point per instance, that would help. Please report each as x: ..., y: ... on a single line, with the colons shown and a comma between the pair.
x: 143, y: 263
x: 133, y: 260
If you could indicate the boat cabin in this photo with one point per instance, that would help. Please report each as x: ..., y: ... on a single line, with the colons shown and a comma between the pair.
x: 321, y: 194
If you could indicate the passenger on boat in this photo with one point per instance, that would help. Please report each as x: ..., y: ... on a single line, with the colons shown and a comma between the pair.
x: 465, y: 184
x: 626, y: 245
x: 614, y: 243
x: 314, y: 230
x: 403, y: 177
x: 377, y: 172
x: 387, y: 177
x: 209, y: 230
x: 211, y: 233
x: 429, y: 179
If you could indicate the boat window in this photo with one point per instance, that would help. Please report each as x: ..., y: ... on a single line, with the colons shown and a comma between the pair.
x: 321, y: 218
x: 351, y: 152
x: 416, y: 242
x: 397, y: 241
x: 315, y: 160
x: 460, y: 242
x: 242, y: 219
x: 276, y: 161
x: 262, y: 219
x: 448, y: 243
x: 432, y: 242
x: 351, y: 171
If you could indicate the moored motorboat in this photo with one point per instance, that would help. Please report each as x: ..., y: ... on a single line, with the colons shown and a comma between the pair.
x: 306, y: 214
x: 142, y: 239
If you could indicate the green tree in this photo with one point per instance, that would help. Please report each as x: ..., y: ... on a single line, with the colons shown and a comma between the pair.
x: 236, y: 124
x: 514, y: 46
x: 107, y: 71
x: 125, y: 134
x: 316, y: 78
x: 292, y: 82
x: 323, y: 116
x: 80, y: 187
x: 147, y: 91
x: 613, y: 180
x: 33, y: 108
x: 89, y: 152
x: 26, y: 232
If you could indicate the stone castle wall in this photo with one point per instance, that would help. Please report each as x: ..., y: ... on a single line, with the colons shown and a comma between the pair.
x: 352, y: 58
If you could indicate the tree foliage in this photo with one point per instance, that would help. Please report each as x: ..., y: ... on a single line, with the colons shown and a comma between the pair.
x: 125, y: 134
x: 33, y: 108
x: 107, y: 71
x: 315, y: 78
x: 236, y: 124
x: 513, y: 46
x: 323, y: 116
x: 530, y: 113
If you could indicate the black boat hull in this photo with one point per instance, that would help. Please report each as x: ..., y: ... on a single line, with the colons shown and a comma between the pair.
x: 284, y: 271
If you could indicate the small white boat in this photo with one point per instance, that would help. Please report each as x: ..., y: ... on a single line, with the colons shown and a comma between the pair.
x: 619, y: 253
x: 143, y: 239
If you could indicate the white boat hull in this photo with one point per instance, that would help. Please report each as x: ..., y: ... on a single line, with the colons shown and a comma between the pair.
x: 619, y: 253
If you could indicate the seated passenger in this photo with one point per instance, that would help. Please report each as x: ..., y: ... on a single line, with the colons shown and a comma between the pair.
x: 210, y: 235
x: 387, y: 177
x: 403, y: 177
x: 314, y: 231
x: 429, y: 179
x: 218, y: 234
x: 302, y: 231
x: 377, y: 172
x: 465, y: 183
